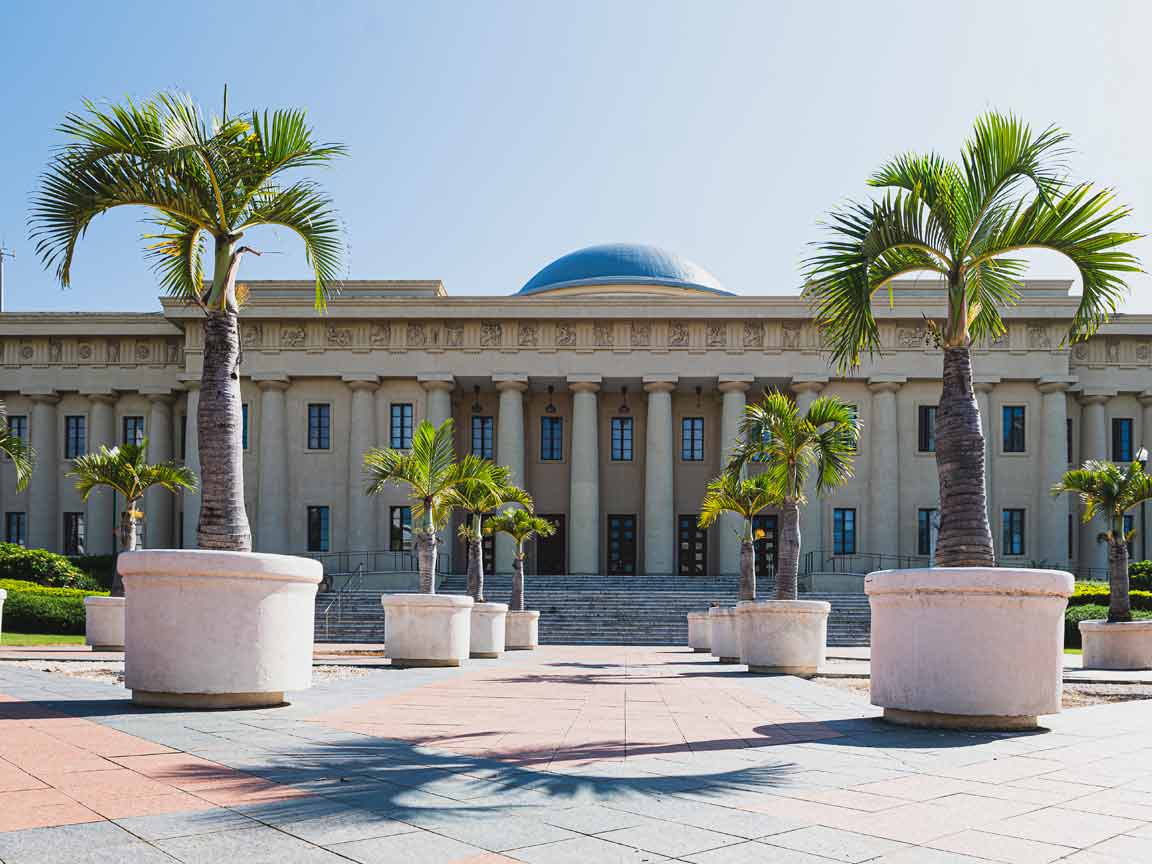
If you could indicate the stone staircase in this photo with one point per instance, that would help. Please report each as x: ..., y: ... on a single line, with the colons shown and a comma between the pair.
x: 574, y: 610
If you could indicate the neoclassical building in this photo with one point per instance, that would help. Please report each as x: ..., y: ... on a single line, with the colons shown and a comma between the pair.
x: 612, y: 384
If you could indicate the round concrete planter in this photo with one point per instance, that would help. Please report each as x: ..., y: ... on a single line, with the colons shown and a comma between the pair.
x: 209, y: 629
x: 1123, y: 645
x: 723, y: 634
x: 522, y: 631
x: 104, y: 623
x: 967, y: 647
x: 699, y: 632
x: 3, y: 597
x: 426, y: 629
x: 783, y: 637
x: 488, y: 630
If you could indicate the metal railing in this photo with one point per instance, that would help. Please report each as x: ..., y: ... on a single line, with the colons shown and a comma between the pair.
x: 826, y: 561
x: 351, y: 584
x: 337, y: 564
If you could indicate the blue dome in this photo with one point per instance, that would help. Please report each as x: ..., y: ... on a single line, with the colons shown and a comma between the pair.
x: 622, y: 264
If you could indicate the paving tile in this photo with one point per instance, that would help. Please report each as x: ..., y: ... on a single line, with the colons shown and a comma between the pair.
x: 250, y: 845
x: 753, y: 852
x: 670, y: 838
x: 183, y: 824
x: 64, y: 844
x: 998, y: 847
x: 835, y: 844
x: 585, y: 850
x: 921, y: 855
x: 495, y: 833
x: 594, y: 819
x: 916, y: 822
x: 418, y: 846
x: 1063, y: 827
x: 1125, y: 848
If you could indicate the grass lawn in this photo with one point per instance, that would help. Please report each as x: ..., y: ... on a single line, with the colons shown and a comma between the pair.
x: 17, y: 639
x: 1073, y: 651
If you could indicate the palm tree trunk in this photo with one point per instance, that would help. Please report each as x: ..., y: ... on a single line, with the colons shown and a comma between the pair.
x: 747, y: 570
x: 426, y: 557
x: 127, y: 544
x: 965, y: 538
x: 223, y: 520
x: 1119, y: 600
x: 787, y: 571
x: 516, y: 601
x: 476, y: 561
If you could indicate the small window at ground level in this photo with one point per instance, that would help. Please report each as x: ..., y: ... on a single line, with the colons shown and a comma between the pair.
x: 1122, y: 439
x: 1012, y: 541
x: 74, y: 534
x: 844, y: 531
x: 926, y: 429
x: 621, y: 439
x: 1013, y: 419
x: 401, y: 426
x: 16, y: 528
x: 400, y: 528
x: 924, y: 521
x: 133, y: 430
x: 482, y: 437
x: 551, y: 439
x: 318, y: 529
x: 319, y: 427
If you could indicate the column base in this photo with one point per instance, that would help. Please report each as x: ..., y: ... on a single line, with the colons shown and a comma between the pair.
x: 969, y: 722
x: 732, y: 660
x: 795, y: 671
x: 485, y: 655
x: 399, y: 663
x: 207, y: 701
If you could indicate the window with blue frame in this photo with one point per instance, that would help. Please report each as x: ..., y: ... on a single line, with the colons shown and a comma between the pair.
x: 844, y: 531
x: 18, y: 426
x: 692, y: 439
x: 482, y: 436
x: 551, y: 439
x: 75, y: 436
x: 1013, y: 421
x: 400, y: 431
x: 319, y: 426
x: 924, y: 519
x: 621, y: 439
x: 848, y: 438
x: 133, y: 428
x: 400, y: 528
x: 1122, y: 439
x: 16, y: 527
x: 1012, y: 539
x: 318, y: 518
x: 244, y: 426
x: 926, y: 429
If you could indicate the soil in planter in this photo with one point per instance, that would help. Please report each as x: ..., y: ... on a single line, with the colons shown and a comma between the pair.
x: 113, y: 670
x: 1075, y: 695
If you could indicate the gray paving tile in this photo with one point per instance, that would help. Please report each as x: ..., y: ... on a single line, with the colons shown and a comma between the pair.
x: 920, y: 855
x: 752, y: 852
x: 167, y: 825
x: 835, y: 844
x: 64, y: 844
x: 1063, y: 827
x: 726, y: 820
x: 585, y: 850
x: 998, y: 847
x: 418, y: 846
x: 594, y: 819
x: 670, y: 838
x: 1125, y: 848
x: 494, y: 831
x: 249, y: 845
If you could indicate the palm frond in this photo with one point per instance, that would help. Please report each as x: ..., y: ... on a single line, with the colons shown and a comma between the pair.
x: 18, y: 450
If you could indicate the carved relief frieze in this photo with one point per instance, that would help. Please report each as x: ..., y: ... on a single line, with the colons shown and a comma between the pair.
x: 1143, y: 351
x: 380, y: 335
x: 640, y: 334
x: 1112, y: 350
x: 1039, y: 337
x: 294, y: 336
x: 173, y: 349
x: 338, y: 337
x: 416, y: 338
x: 753, y: 334
x: 252, y: 334
x: 603, y: 335
x: 84, y: 351
x: 528, y: 334
x: 491, y: 334
x: 717, y: 334
x: 454, y: 334
x: 678, y: 334
x: 112, y: 347
x: 565, y: 335
x: 790, y: 335
x: 1080, y: 351
x: 143, y: 352
x: 27, y: 351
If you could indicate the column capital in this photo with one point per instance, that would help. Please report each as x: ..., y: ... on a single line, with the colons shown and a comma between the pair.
x: 1145, y: 398
x: 886, y: 385
x: 436, y: 381
x: 986, y: 385
x: 266, y: 384
x: 583, y: 386
x: 104, y: 397
x: 811, y: 384
x: 514, y: 383
x: 361, y: 382
x: 1096, y: 397
x: 659, y: 386
x: 41, y: 397
x: 160, y: 398
x: 1054, y: 385
x: 735, y: 383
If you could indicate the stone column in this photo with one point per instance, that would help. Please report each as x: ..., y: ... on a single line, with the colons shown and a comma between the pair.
x: 731, y: 527
x: 811, y: 521
x: 159, y: 504
x: 1051, y: 527
x: 510, y: 451
x: 192, y: 461
x: 659, y: 483
x: 991, y: 427
x: 362, y: 519
x: 272, y: 471
x: 439, y: 404
x: 101, y: 538
x: 1094, y: 445
x: 44, y: 499
x: 884, y: 470
x: 584, y: 483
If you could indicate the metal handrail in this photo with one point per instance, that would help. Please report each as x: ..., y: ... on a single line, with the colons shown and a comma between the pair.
x: 861, y: 563
x: 377, y: 561
x: 351, y: 584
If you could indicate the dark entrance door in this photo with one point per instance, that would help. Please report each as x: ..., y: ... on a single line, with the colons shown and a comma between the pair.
x: 550, y: 558
x: 692, y: 542
x: 764, y: 530
x: 621, y: 545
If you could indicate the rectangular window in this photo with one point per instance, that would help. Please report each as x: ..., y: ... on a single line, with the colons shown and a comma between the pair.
x: 74, y: 534
x: 1012, y: 541
x: 1013, y: 420
x: 926, y: 429
x: 692, y: 439
x: 16, y: 528
x: 319, y: 426
x: 1129, y: 524
x: 621, y: 545
x: 75, y: 436
x: 317, y: 529
x: 1068, y: 441
x: 764, y: 544
x: 1122, y: 439
x: 400, y: 430
x: 183, y: 437
x: 924, y: 519
x: 621, y: 439
x: 844, y: 531
x: 400, y: 529
x: 1071, y: 534
x: 133, y: 430
x: 848, y: 439
x: 692, y: 540
x: 551, y: 439
x: 244, y: 426
x: 482, y: 436
x: 18, y: 426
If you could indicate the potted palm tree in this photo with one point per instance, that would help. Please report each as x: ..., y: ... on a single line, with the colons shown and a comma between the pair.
x: 23, y: 460
x: 201, y: 625
x: 126, y: 471
x: 424, y: 629
x: 484, y: 487
x: 965, y: 223
x: 523, y: 626
x: 1110, y: 491
x: 732, y: 492
x: 787, y: 635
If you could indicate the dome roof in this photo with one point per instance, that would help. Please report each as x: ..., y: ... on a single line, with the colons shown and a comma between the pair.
x: 628, y: 264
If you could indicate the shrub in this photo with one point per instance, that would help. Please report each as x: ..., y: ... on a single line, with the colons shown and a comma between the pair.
x: 42, y: 567
x: 1097, y: 593
x: 11, y: 585
x: 1089, y: 612
x: 43, y: 612
x: 1140, y: 575
x: 101, y: 569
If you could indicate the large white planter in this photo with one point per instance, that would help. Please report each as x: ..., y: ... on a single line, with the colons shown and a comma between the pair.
x: 208, y: 629
x: 724, y: 636
x: 783, y: 637
x: 699, y: 632
x: 967, y: 647
x: 426, y: 629
x: 1123, y: 645
x: 104, y: 623
x: 3, y: 597
x: 488, y: 630
x: 522, y: 631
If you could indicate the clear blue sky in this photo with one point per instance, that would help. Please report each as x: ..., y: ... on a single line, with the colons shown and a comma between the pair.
x: 488, y: 138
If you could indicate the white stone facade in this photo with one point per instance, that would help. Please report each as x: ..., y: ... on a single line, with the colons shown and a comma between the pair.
x: 581, y: 357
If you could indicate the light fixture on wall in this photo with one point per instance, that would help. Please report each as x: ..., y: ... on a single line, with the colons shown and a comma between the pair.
x: 699, y: 391
x: 476, y: 406
x: 624, y: 409
x: 550, y: 408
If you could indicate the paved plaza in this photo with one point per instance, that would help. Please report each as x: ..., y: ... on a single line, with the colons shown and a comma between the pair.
x: 565, y: 754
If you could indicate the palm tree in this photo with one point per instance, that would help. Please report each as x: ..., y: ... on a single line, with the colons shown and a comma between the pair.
x: 125, y: 470
x: 200, y: 180
x: 483, y: 487
x: 731, y: 492
x: 521, y: 526
x: 430, y: 471
x: 963, y: 222
x: 1111, y: 491
x: 16, y: 448
x: 790, y: 447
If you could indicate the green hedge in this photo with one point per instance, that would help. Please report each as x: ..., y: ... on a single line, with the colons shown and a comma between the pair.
x: 32, y: 608
x: 1076, y: 614
x: 101, y: 568
x: 1097, y: 593
x: 1140, y: 575
x: 43, y: 568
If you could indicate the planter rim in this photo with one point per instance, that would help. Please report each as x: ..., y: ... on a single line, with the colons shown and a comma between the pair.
x: 490, y: 608
x: 3, y: 594
x: 1100, y: 626
x: 457, y: 600
x: 785, y: 607
x: 721, y: 611
x: 1000, y: 581
x: 696, y: 616
x: 527, y: 613
x: 104, y: 601
x: 212, y: 563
